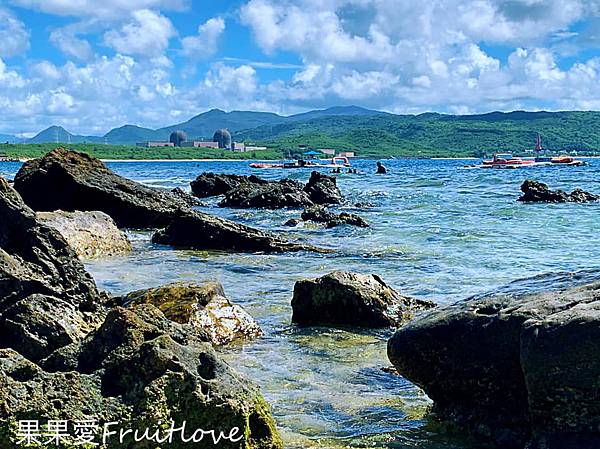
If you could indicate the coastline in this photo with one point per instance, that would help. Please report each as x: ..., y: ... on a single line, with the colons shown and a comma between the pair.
x: 174, y: 160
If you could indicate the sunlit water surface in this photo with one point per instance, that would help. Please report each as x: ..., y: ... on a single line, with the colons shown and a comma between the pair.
x: 437, y: 232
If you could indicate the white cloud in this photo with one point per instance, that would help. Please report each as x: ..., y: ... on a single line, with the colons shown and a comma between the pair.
x: 205, y: 43
x: 9, y: 78
x: 14, y: 37
x: 67, y: 40
x: 147, y: 34
x: 402, y: 56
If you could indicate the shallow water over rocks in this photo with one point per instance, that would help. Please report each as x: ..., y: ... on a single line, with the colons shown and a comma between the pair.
x: 437, y: 232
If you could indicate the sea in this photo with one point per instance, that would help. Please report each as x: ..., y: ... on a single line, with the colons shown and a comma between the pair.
x: 437, y: 231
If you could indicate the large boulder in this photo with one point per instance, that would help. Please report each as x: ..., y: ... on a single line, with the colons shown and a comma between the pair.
x: 323, y: 189
x: 140, y: 370
x: 47, y: 299
x: 201, y: 231
x: 204, y: 306
x: 538, y: 192
x: 91, y: 234
x: 270, y: 195
x: 71, y: 181
x: 351, y: 299
x: 517, y: 368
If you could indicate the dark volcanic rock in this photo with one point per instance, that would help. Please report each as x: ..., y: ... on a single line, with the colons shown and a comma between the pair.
x: 516, y: 369
x: 41, y: 279
x: 65, y: 356
x: 254, y: 192
x: 200, y: 231
x: 139, y: 369
x: 204, y: 306
x: 341, y: 298
x: 270, y: 195
x: 581, y: 196
x: 320, y: 214
x: 538, y: 192
x: 323, y: 189
x: 214, y: 184
x: 347, y: 219
x: 292, y: 222
x: 69, y: 181
x: 186, y: 198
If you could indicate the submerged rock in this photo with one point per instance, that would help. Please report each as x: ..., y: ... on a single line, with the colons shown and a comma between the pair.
x: 342, y: 298
x: 203, y: 306
x: 71, y: 181
x: 514, y: 369
x: 91, y: 234
x: 538, y: 192
x: 320, y: 214
x: 47, y: 299
x: 292, y: 222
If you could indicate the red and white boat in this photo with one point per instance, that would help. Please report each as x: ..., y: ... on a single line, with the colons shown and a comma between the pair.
x: 336, y: 162
x: 507, y: 161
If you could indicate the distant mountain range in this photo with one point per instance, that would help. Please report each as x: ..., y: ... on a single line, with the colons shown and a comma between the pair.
x: 373, y: 133
x: 4, y: 138
x: 201, y: 126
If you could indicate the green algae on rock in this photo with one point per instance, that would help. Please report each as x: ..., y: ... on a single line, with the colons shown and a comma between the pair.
x: 203, y: 306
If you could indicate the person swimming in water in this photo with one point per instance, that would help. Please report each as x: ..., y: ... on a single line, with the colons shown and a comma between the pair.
x: 381, y: 170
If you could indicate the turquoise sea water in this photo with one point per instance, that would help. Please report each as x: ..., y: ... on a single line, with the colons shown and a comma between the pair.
x: 437, y: 232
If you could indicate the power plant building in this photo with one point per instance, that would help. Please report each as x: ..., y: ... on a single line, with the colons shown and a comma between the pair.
x: 200, y: 144
x: 221, y: 140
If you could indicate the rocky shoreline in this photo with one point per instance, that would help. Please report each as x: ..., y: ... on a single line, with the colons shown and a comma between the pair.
x: 518, y: 370
x: 515, y: 369
x: 70, y: 351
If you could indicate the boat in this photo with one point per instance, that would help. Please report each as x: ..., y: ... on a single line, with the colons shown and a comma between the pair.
x: 336, y: 162
x: 508, y: 161
x: 559, y: 160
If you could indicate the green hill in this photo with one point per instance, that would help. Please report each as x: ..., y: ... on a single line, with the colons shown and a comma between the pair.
x: 437, y: 134
x: 373, y: 133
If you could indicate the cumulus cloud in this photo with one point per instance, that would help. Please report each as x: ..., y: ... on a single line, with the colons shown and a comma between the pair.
x: 68, y: 41
x: 405, y: 57
x: 414, y: 56
x: 147, y: 34
x: 14, y: 37
x: 205, y: 43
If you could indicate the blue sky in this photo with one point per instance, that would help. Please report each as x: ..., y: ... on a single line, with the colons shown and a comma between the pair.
x: 92, y: 65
